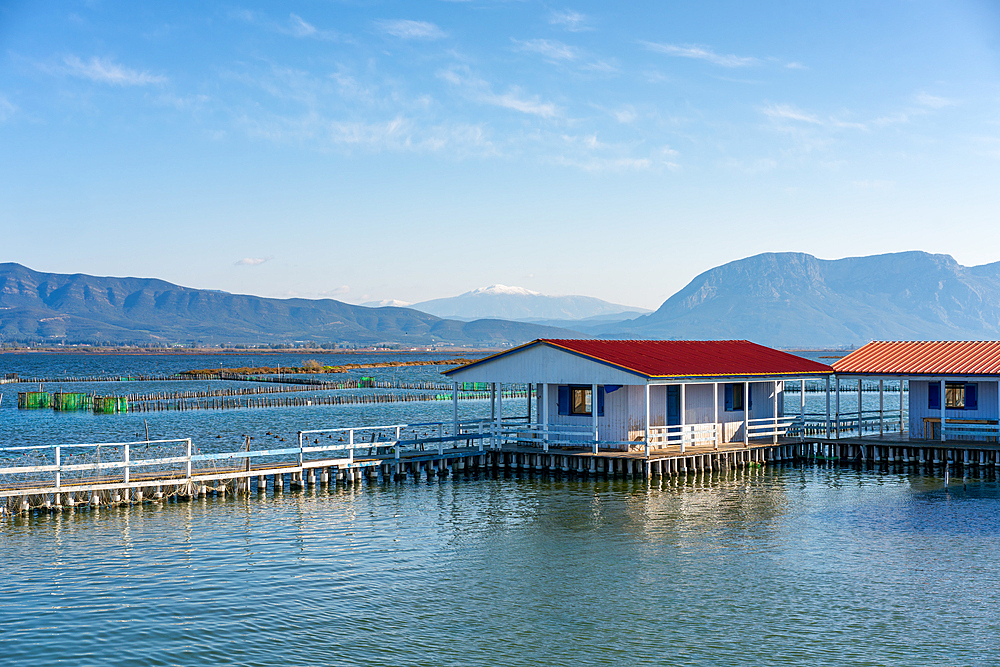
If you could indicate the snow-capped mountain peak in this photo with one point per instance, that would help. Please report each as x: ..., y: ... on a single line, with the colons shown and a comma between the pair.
x: 504, y: 289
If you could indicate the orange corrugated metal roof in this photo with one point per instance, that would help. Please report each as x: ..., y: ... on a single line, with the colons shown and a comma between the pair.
x: 682, y: 358
x: 949, y: 357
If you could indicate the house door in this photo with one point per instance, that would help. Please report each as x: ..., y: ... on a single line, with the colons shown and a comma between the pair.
x: 673, y: 404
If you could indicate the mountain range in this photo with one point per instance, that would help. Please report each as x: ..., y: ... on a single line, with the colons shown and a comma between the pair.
x: 794, y: 300
x: 788, y: 300
x: 524, y: 305
x: 52, y: 307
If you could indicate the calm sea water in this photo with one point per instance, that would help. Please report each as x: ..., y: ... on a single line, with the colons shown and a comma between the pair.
x: 786, y: 566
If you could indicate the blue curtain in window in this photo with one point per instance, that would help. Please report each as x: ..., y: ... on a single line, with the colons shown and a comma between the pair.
x: 970, y: 396
x: 563, y: 400
x: 729, y: 398
x: 600, y: 401
x: 933, y: 396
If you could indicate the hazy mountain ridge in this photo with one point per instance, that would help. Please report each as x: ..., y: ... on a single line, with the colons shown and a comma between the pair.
x: 50, y: 307
x: 520, y: 304
x: 795, y: 299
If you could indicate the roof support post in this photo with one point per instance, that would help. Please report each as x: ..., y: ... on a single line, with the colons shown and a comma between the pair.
x: 881, y: 407
x: 499, y: 408
x: 944, y: 401
x: 901, y: 424
x: 716, y: 426
x: 545, y: 416
x: 860, y: 411
x: 647, y: 419
x: 827, y: 407
x: 493, y: 414
x: 746, y: 415
x: 802, y: 409
x: 774, y: 413
x: 593, y: 412
x: 683, y: 393
x: 454, y: 409
x: 836, y: 382
x: 529, y: 387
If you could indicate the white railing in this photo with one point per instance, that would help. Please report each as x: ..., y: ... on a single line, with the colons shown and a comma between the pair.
x: 970, y: 432
x: 686, y: 435
x: 772, y: 427
x: 396, y: 439
x: 96, y: 464
x: 545, y: 435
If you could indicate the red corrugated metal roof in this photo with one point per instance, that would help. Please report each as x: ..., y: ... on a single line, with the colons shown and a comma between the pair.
x: 685, y: 358
x: 949, y: 357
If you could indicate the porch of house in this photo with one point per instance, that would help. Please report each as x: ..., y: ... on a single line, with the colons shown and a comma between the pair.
x: 648, y: 421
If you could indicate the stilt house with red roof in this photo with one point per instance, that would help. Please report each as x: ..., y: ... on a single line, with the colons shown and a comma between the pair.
x: 644, y: 394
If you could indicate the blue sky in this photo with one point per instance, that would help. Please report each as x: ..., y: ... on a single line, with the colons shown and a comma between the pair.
x: 414, y: 150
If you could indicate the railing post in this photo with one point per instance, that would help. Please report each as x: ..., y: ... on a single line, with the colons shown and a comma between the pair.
x: 480, y: 436
x: 126, y: 455
x: 350, y: 442
x: 189, y: 459
x: 58, y: 468
x: 398, y: 433
x: 300, y: 449
x: 683, y: 440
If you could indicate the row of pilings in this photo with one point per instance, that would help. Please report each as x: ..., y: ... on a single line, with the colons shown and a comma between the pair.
x: 928, y: 458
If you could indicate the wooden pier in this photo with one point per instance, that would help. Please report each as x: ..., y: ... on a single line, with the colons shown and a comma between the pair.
x: 101, y: 474
x: 60, y: 485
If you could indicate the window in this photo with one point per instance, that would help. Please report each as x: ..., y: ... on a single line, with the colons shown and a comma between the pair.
x: 734, y: 397
x: 954, y: 395
x: 578, y: 400
x: 957, y: 396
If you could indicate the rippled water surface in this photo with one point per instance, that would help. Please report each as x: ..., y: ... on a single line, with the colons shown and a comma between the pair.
x: 784, y: 566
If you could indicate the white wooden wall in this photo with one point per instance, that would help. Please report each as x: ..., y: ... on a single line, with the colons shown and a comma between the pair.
x: 625, y: 409
x: 986, y: 402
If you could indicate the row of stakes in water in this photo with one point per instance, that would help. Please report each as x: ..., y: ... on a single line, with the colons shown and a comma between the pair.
x: 71, y: 402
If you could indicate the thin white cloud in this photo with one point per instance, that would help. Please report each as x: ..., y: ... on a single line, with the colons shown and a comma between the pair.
x: 795, y: 66
x: 405, y: 29
x: 625, y: 115
x: 933, y: 101
x: 299, y: 27
x: 105, y: 70
x: 570, y: 20
x: 7, y: 108
x: 788, y: 112
x: 601, y: 66
x: 548, y: 48
x: 296, y: 26
x: 513, y: 99
x: 253, y: 261
x: 336, y: 291
x: 702, y: 53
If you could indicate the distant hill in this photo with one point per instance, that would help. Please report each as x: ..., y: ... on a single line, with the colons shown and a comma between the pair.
x: 517, y: 303
x: 51, y: 307
x: 796, y: 300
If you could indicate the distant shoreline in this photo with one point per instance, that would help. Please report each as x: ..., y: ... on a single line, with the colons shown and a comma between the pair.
x: 234, y: 352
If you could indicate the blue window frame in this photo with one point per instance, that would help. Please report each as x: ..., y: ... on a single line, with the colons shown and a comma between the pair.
x: 576, y: 400
x: 734, y: 397
x: 958, y: 396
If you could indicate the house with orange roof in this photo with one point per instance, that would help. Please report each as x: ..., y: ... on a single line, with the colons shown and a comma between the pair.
x: 953, y: 385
